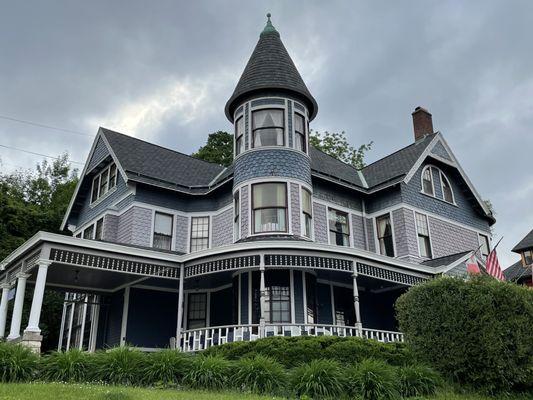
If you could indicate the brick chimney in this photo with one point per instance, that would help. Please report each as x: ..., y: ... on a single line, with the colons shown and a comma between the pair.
x: 422, y: 122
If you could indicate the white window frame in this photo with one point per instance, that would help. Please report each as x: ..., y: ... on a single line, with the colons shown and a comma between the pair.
x: 376, y: 235
x: 480, y: 237
x: 93, y: 226
x: 173, y: 226
x: 208, y: 231
x: 429, y: 236
x: 349, y: 220
x: 305, y: 135
x: 303, y: 214
x: 105, y: 171
x: 441, y: 175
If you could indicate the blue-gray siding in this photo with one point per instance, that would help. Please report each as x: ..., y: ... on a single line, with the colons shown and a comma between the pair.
x: 337, y: 195
x: 100, y: 153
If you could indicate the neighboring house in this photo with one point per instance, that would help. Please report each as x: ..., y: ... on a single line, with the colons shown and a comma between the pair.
x: 521, y: 271
x: 286, y: 241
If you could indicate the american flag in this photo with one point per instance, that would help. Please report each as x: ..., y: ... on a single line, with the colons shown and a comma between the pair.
x: 493, y: 266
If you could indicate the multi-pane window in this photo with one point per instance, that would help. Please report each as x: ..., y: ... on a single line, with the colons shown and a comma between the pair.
x: 422, y: 229
x: 269, y: 204
x: 239, y: 136
x: 268, y: 128
x: 278, y: 297
x: 98, y: 232
x: 103, y: 182
x: 427, y: 182
x: 384, y: 229
x: 339, y: 228
x: 484, y: 246
x: 447, y: 192
x: 196, y: 310
x: 236, y: 215
x: 299, y: 130
x: 199, y: 233
x: 528, y: 257
x: 88, y: 232
x: 163, y: 231
x: 307, y: 210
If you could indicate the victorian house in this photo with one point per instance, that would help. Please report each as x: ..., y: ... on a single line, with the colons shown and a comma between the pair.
x: 169, y: 250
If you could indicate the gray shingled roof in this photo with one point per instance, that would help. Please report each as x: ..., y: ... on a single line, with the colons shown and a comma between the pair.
x: 270, y: 67
x: 397, y: 164
x: 516, y: 272
x: 148, y: 162
x: 446, y: 260
x: 327, y: 166
x: 525, y: 243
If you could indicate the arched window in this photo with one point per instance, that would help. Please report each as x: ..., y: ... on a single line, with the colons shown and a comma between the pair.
x: 428, y: 184
x: 447, y: 191
x: 427, y: 181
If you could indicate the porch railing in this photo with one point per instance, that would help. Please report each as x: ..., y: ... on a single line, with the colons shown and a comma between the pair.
x: 203, y: 338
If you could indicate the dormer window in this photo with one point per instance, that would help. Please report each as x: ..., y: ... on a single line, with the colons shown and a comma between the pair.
x: 239, y: 136
x: 104, y: 182
x: 299, y: 130
x: 268, y: 128
x: 427, y: 182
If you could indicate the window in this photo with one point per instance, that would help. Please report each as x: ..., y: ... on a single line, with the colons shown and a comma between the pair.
x: 236, y: 215
x: 196, y: 310
x: 528, y: 257
x: 384, y: 228
x: 424, y: 244
x: 310, y: 296
x: 307, y: 210
x: 199, y: 233
x: 447, y: 191
x: 163, y: 231
x: 299, y: 130
x: 339, y: 228
x: 88, y: 232
x: 278, y: 297
x: 427, y: 182
x: 103, y: 182
x: 268, y: 127
x: 484, y: 245
x: 239, y: 136
x: 269, y: 204
x: 98, y: 232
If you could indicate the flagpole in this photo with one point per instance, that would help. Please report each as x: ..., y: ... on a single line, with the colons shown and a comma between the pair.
x: 497, y: 243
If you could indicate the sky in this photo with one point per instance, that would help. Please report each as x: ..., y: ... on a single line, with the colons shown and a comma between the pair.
x: 163, y: 70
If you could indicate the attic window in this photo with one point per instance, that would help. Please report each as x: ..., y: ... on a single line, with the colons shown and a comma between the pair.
x: 447, y: 192
x: 428, y: 184
x: 104, y: 182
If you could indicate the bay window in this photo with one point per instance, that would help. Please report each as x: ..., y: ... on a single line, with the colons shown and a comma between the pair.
x: 268, y: 128
x: 339, y: 228
x: 199, y: 233
x: 307, y: 211
x: 269, y: 205
x: 239, y: 136
x: 163, y: 231
x: 299, y: 130
x: 422, y: 229
x: 384, y: 228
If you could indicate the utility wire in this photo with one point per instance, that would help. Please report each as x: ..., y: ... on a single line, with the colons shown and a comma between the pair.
x: 37, y: 154
x: 45, y: 126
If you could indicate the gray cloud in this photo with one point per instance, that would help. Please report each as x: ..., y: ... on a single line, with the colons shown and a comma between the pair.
x: 164, y: 70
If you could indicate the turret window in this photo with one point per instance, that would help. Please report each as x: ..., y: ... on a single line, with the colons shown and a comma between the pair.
x: 268, y: 128
x: 239, y: 136
x: 299, y: 130
x: 269, y: 204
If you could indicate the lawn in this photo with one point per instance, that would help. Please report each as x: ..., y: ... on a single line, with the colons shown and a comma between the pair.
x: 58, y: 391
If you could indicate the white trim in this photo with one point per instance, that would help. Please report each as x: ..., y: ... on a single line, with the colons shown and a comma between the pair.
x: 443, y: 178
x: 95, y: 317
x: 429, y: 236
x: 350, y: 238
x: 376, y: 235
x: 125, y: 309
x: 83, y: 319
x: 71, y: 319
x: 440, y: 174
x: 288, y: 198
x: 62, y: 326
x: 336, y: 206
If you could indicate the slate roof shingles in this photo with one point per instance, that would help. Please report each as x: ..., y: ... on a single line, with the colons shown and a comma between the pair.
x: 516, y: 271
x: 525, y: 243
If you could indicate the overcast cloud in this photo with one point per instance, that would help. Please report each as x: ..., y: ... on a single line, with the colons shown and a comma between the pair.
x: 163, y: 70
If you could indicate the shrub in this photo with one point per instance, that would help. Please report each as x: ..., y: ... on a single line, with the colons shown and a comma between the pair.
x: 373, y: 380
x: 166, y: 367
x: 476, y: 332
x: 68, y: 366
x: 417, y: 380
x: 119, y: 366
x: 17, y: 363
x: 318, y: 379
x: 208, y: 372
x: 260, y: 375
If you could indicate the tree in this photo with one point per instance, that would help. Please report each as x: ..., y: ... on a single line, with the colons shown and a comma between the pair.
x: 31, y: 201
x: 218, y: 149
x: 337, y: 146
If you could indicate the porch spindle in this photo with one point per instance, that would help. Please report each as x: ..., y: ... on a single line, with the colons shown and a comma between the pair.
x: 358, y: 324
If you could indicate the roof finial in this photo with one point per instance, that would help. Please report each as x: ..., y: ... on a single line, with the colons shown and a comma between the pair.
x: 269, y: 27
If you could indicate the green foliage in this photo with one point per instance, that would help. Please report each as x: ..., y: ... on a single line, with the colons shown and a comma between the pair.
x: 218, y: 149
x: 17, y: 363
x: 209, y: 372
x: 373, y: 380
x: 166, y: 367
x: 418, y: 380
x: 66, y: 366
x: 476, y: 332
x: 260, y: 374
x: 319, y: 379
x: 337, y: 146
x: 119, y: 366
x: 292, y: 351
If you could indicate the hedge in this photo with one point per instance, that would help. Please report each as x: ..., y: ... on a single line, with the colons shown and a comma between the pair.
x: 477, y: 332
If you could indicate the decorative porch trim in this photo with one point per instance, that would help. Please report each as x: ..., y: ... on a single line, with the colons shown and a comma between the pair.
x: 283, y: 260
x: 225, y: 264
x: 388, y: 275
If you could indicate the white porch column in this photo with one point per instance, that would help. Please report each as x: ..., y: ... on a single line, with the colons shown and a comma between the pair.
x: 358, y: 323
x: 16, y: 320
x: 180, y: 308
x: 38, y: 295
x: 262, y: 298
x: 3, y: 308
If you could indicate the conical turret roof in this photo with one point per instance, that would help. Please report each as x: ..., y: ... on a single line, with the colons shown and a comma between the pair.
x: 270, y: 68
